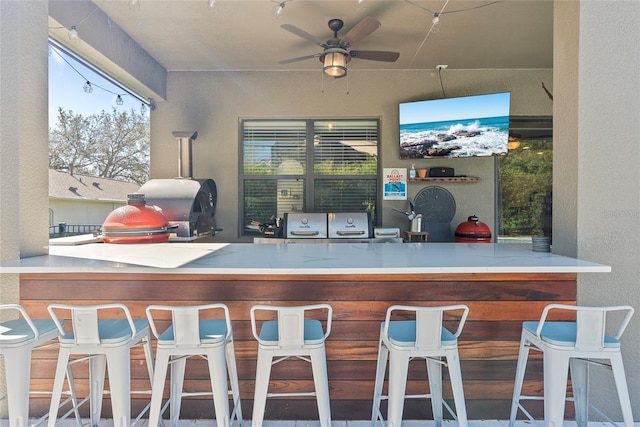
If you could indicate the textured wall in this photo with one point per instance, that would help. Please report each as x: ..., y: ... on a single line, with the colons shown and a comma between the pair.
x: 601, y: 155
x: 23, y: 139
x: 213, y: 103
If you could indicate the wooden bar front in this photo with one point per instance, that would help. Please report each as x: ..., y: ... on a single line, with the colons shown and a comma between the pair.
x: 488, y: 345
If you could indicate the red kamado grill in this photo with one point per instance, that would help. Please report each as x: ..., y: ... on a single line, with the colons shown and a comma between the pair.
x: 473, y: 231
x: 176, y: 209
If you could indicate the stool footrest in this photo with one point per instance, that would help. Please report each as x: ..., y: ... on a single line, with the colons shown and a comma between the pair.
x: 309, y: 393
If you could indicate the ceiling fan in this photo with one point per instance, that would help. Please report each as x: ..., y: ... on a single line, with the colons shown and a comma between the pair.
x: 336, y: 53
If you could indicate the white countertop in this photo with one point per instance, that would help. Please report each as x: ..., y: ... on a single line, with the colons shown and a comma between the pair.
x: 300, y: 258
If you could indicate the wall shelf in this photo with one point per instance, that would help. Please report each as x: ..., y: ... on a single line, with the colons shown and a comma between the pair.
x: 446, y: 179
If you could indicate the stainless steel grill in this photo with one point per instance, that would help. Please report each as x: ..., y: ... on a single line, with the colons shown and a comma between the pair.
x: 352, y: 225
x: 188, y: 204
x: 305, y: 225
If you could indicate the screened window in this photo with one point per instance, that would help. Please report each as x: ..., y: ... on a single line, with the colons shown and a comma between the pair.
x: 307, y: 166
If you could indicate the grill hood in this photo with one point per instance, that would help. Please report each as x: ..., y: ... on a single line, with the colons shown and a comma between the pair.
x: 189, y: 205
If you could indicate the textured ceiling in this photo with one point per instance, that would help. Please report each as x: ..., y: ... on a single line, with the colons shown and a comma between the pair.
x: 247, y: 35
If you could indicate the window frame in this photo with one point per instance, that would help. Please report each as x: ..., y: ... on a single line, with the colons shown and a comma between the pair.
x: 309, y: 176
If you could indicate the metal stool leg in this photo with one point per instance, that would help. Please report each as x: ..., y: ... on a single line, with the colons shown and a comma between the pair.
x: 97, y: 371
x: 520, y: 371
x: 321, y: 381
x: 398, y: 369
x: 218, y: 377
x: 455, y: 375
x: 61, y: 370
x: 118, y: 364
x: 18, y: 374
x: 434, y: 371
x: 381, y: 368
x: 556, y: 370
x: 232, y: 371
x: 157, y: 388
x: 579, y: 370
x: 178, y: 366
x: 623, y: 391
x: 263, y: 372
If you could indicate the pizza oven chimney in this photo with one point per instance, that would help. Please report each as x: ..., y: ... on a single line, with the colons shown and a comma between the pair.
x: 185, y: 139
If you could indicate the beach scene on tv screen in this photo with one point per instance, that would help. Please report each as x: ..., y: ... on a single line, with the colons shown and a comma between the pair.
x: 470, y: 126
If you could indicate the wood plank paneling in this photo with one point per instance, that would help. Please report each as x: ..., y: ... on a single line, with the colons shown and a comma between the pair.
x: 498, y: 303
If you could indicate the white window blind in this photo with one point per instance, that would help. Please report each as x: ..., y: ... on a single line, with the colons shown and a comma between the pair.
x: 276, y: 179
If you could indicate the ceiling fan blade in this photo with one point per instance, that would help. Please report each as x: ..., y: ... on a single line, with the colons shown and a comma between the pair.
x: 299, y: 58
x: 375, y: 55
x: 361, y: 30
x: 302, y: 33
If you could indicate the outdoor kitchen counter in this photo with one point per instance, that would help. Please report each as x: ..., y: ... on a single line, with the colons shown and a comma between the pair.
x: 300, y: 258
x: 502, y: 284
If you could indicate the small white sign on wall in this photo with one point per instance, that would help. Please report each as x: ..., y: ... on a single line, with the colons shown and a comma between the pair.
x: 395, y: 183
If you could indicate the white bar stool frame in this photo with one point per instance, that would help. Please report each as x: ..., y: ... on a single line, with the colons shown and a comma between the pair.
x: 18, y: 338
x: 291, y: 335
x: 424, y: 337
x: 106, y: 343
x: 572, y: 346
x: 194, y: 332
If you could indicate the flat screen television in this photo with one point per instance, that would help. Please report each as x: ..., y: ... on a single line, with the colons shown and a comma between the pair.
x: 468, y: 126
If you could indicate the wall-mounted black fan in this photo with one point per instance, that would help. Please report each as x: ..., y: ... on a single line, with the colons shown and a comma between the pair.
x: 336, y: 53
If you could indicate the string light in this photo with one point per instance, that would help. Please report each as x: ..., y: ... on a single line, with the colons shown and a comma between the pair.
x: 212, y: 3
x: 88, y: 86
x: 280, y: 8
x: 73, y: 33
x: 435, y: 21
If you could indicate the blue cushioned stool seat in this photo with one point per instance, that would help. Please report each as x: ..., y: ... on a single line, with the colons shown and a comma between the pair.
x: 403, y: 333
x: 563, y: 333
x: 313, y: 333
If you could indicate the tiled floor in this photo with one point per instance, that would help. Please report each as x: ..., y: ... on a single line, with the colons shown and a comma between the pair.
x: 357, y: 423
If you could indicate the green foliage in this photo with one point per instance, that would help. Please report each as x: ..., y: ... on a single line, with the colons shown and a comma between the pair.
x: 526, y: 183
x: 108, y: 145
x: 332, y: 167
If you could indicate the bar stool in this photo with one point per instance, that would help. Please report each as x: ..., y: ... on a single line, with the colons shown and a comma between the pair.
x: 193, y: 331
x: 424, y: 337
x: 18, y: 338
x: 106, y: 343
x: 291, y: 335
x: 572, y: 346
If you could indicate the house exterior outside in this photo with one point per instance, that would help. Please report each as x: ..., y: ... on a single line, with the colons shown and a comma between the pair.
x: 596, y: 114
x: 83, y: 199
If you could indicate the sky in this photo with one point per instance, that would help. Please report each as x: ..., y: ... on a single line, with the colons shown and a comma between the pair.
x: 66, y: 89
x: 462, y: 108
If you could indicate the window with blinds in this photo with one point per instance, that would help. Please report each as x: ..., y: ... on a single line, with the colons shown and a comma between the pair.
x: 307, y: 165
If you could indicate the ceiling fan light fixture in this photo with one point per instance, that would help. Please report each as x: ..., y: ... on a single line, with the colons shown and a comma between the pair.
x: 335, y: 62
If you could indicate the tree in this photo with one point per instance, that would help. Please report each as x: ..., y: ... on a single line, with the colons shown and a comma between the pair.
x: 108, y: 145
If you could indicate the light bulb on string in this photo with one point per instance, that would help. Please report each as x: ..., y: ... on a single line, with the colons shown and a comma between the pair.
x: 435, y: 23
x: 73, y: 33
x: 88, y: 88
x: 212, y: 3
x: 280, y: 8
x: 119, y: 100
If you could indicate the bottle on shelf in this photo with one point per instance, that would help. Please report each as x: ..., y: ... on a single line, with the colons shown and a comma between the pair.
x: 412, y: 171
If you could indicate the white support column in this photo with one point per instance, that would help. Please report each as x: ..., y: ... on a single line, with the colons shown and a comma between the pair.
x: 24, y: 139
